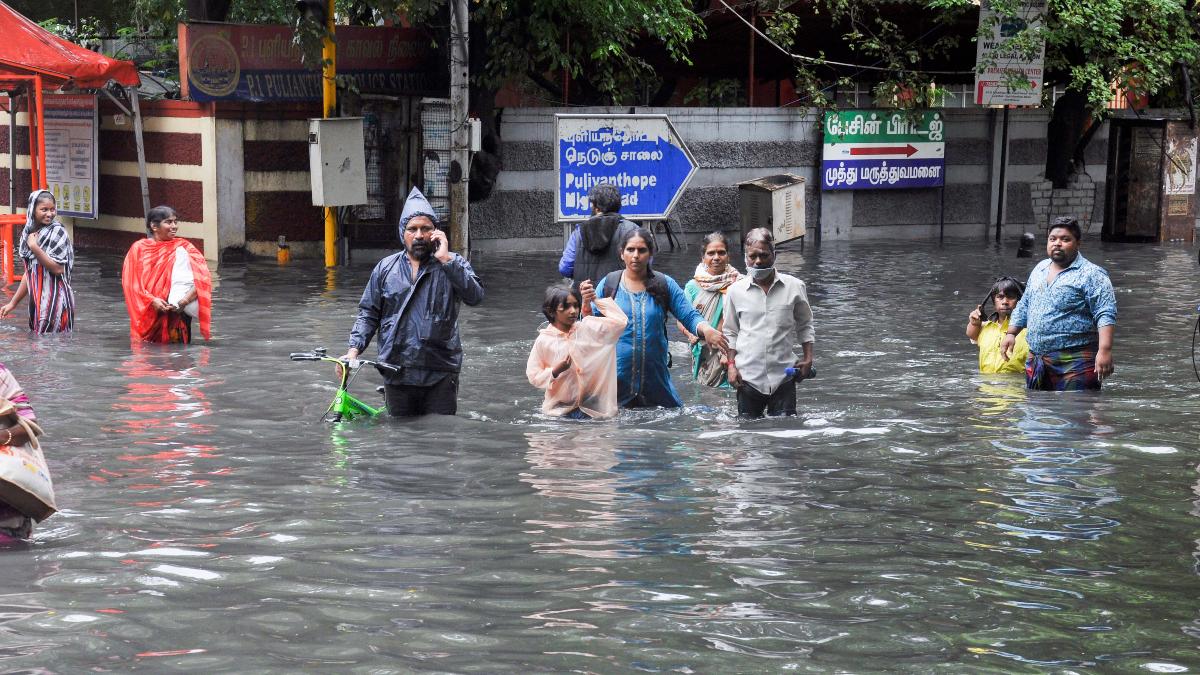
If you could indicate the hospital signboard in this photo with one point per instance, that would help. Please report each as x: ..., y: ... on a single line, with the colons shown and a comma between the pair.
x: 882, y: 149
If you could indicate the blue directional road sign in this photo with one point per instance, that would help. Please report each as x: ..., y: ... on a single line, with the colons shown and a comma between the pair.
x: 642, y: 155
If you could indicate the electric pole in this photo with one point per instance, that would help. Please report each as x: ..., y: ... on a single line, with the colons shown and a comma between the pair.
x: 460, y: 134
x: 329, y: 109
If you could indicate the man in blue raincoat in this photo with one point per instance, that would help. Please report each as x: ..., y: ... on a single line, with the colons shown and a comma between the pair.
x: 412, y: 302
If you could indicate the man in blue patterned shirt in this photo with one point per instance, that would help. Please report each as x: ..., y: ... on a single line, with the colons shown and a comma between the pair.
x: 1071, y: 312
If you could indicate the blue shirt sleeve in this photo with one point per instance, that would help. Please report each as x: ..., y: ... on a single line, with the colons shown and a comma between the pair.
x: 600, y: 294
x: 682, y: 309
x: 1020, y: 314
x: 566, y: 264
x: 1102, y: 300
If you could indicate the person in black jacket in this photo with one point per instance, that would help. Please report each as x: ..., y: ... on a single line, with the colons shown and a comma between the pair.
x: 593, y: 250
x: 412, y: 301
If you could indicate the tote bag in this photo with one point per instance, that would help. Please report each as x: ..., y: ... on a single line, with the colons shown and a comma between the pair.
x: 24, y: 477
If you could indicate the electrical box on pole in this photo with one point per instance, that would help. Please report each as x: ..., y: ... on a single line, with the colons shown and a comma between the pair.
x: 337, y: 161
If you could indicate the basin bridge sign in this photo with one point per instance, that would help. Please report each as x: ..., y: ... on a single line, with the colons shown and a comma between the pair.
x: 642, y: 155
x: 879, y: 149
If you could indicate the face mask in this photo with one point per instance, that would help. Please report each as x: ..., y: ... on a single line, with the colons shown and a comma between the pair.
x: 760, y: 273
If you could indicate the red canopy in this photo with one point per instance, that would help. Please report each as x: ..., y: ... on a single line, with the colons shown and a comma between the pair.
x: 27, y: 49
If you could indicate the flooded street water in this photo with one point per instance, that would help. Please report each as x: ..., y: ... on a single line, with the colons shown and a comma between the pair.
x: 916, y: 517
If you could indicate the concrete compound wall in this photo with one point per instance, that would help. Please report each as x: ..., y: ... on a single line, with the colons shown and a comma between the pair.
x: 739, y: 144
x: 236, y: 174
x: 277, y: 197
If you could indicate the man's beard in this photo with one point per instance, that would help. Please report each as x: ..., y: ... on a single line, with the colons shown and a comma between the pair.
x: 421, y: 251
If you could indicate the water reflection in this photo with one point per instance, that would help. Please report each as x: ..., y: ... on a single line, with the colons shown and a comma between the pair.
x: 1053, y: 499
x: 997, y: 396
x: 623, y: 486
x: 163, y: 416
x: 572, y: 465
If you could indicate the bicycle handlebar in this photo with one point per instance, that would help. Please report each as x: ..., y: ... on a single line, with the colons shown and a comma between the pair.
x: 320, y: 355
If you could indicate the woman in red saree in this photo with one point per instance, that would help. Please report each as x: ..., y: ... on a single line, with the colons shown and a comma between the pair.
x: 166, y: 283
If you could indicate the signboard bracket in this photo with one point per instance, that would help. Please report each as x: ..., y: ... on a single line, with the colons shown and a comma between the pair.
x: 135, y: 111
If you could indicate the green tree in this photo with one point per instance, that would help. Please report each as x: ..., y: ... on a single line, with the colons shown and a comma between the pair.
x: 1142, y: 46
x: 601, y: 45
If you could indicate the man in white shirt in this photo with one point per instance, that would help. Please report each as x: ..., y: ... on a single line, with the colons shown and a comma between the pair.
x: 761, y: 311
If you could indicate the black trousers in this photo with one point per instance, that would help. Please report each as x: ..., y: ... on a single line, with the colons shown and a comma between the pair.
x: 752, y: 403
x: 404, y: 400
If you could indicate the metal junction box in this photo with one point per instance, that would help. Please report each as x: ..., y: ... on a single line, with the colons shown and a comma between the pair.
x: 337, y: 161
x: 776, y: 203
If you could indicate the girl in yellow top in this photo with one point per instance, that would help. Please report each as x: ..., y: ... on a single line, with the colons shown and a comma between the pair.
x: 987, y: 332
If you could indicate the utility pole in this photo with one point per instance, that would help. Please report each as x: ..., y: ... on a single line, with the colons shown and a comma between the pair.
x: 329, y: 107
x: 460, y: 134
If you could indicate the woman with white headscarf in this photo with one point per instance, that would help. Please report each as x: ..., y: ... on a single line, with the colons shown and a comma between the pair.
x: 48, y: 255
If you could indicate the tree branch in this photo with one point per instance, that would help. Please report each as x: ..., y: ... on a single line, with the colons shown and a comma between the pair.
x: 538, y: 79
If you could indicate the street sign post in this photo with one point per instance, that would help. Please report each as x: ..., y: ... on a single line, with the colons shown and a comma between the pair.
x: 1002, y: 70
x: 642, y: 155
x: 879, y: 149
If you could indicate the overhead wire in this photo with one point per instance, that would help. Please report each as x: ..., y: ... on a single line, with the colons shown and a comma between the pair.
x: 827, y: 62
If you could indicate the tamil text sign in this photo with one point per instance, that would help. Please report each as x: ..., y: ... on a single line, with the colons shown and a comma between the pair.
x: 1009, y: 55
x: 222, y: 61
x: 72, y: 169
x: 874, y: 149
x: 642, y: 155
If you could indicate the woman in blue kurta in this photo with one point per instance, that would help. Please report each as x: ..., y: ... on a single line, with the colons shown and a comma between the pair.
x: 646, y: 297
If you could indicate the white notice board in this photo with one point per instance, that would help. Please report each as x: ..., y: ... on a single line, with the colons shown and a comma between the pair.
x: 1000, y: 65
x: 72, y: 149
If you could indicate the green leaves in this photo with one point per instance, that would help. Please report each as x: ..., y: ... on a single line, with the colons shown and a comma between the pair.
x: 596, y: 41
x: 1091, y: 45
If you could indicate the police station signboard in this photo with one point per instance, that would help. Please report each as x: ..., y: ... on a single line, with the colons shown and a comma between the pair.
x: 238, y: 62
x: 879, y: 149
x: 642, y: 155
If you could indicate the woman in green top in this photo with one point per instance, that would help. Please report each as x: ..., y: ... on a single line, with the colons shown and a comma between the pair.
x: 706, y: 292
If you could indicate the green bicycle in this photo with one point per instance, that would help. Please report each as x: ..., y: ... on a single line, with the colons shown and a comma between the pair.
x: 344, y: 406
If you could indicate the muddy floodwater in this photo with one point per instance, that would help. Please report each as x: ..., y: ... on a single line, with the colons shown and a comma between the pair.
x: 916, y: 516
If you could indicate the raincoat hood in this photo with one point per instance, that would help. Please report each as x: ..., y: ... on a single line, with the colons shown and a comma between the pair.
x: 597, y: 232
x: 415, y: 205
